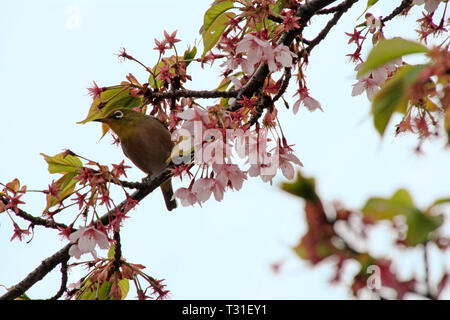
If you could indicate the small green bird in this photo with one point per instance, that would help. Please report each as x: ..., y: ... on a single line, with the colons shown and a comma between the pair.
x: 146, y: 142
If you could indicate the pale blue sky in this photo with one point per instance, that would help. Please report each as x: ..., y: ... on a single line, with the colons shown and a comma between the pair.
x: 222, y: 250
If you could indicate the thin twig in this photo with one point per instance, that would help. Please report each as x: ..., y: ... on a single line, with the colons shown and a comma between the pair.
x: 284, y: 84
x: 343, y: 7
x: 63, y: 287
x: 35, y: 221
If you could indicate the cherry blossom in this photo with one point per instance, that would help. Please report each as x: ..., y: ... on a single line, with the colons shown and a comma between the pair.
x: 230, y: 175
x: 284, y: 56
x: 259, y: 50
x: 285, y: 162
x: 430, y: 5
x: 203, y: 188
x: 372, y: 82
x: 310, y: 103
x: 186, y: 196
x: 85, y: 240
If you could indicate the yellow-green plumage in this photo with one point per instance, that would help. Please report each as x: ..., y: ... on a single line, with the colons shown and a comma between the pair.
x: 146, y: 142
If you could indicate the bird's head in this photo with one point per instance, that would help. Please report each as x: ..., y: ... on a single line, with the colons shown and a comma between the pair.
x: 122, y: 121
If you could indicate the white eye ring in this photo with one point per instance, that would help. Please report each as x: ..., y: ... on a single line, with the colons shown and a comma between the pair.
x: 118, y: 114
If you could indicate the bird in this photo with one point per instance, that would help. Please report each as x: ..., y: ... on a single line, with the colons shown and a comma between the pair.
x: 146, y: 141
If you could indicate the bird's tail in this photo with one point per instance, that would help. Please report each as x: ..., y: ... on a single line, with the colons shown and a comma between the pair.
x: 167, y: 192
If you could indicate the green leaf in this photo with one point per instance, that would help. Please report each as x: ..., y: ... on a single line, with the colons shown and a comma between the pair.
x: 124, y: 286
x: 392, y: 96
x: 301, y: 187
x: 439, y: 202
x: 66, y: 184
x: 420, y: 225
x: 62, y: 163
x: 278, y: 7
x: 189, y: 55
x: 389, y: 50
x: 213, y: 33
x: 386, y: 209
x: 90, y: 291
x: 216, y: 9
x: 115, y: 97
x: 111, y: 251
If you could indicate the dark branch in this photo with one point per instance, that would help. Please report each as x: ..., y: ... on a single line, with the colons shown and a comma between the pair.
x: 35, y: 221
x: 284, y: 84
x: 117, y: 251
x: 37, y: 274
x: 331, y: 10
x: 63, y: 287
x: 183, y: 93
x: 275, y: 18
x: 403, y: 6
x: 343, y: 7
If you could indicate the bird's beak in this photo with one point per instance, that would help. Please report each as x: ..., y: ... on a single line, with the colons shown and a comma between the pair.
x: 100, y: 120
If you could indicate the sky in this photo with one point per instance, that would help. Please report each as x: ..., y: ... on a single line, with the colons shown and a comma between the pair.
x: 222, y: 250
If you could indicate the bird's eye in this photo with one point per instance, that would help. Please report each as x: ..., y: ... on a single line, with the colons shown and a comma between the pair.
x: 118, y: 114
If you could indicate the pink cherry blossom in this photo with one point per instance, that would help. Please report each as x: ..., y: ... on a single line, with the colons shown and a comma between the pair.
x: 365, y: 84
x: 230, y: 175
x: 309, y: 102
x: 284, y: 56
x: 372, y: 82
x: 286, y: 157
x: 258, y: 170
x: 257, y: 51
x: 203, y: 188
x: 186, y: 196
x: 85, y: 240
x: 195, y: 113
x: 430, y: 5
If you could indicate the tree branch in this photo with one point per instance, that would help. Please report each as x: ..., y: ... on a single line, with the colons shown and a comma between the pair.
x: 35, y: 221
x: 341, y: 9
x: 404, y: 5
x: 63, y: 287
x: 184, y: 93
x: 51, y: 262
